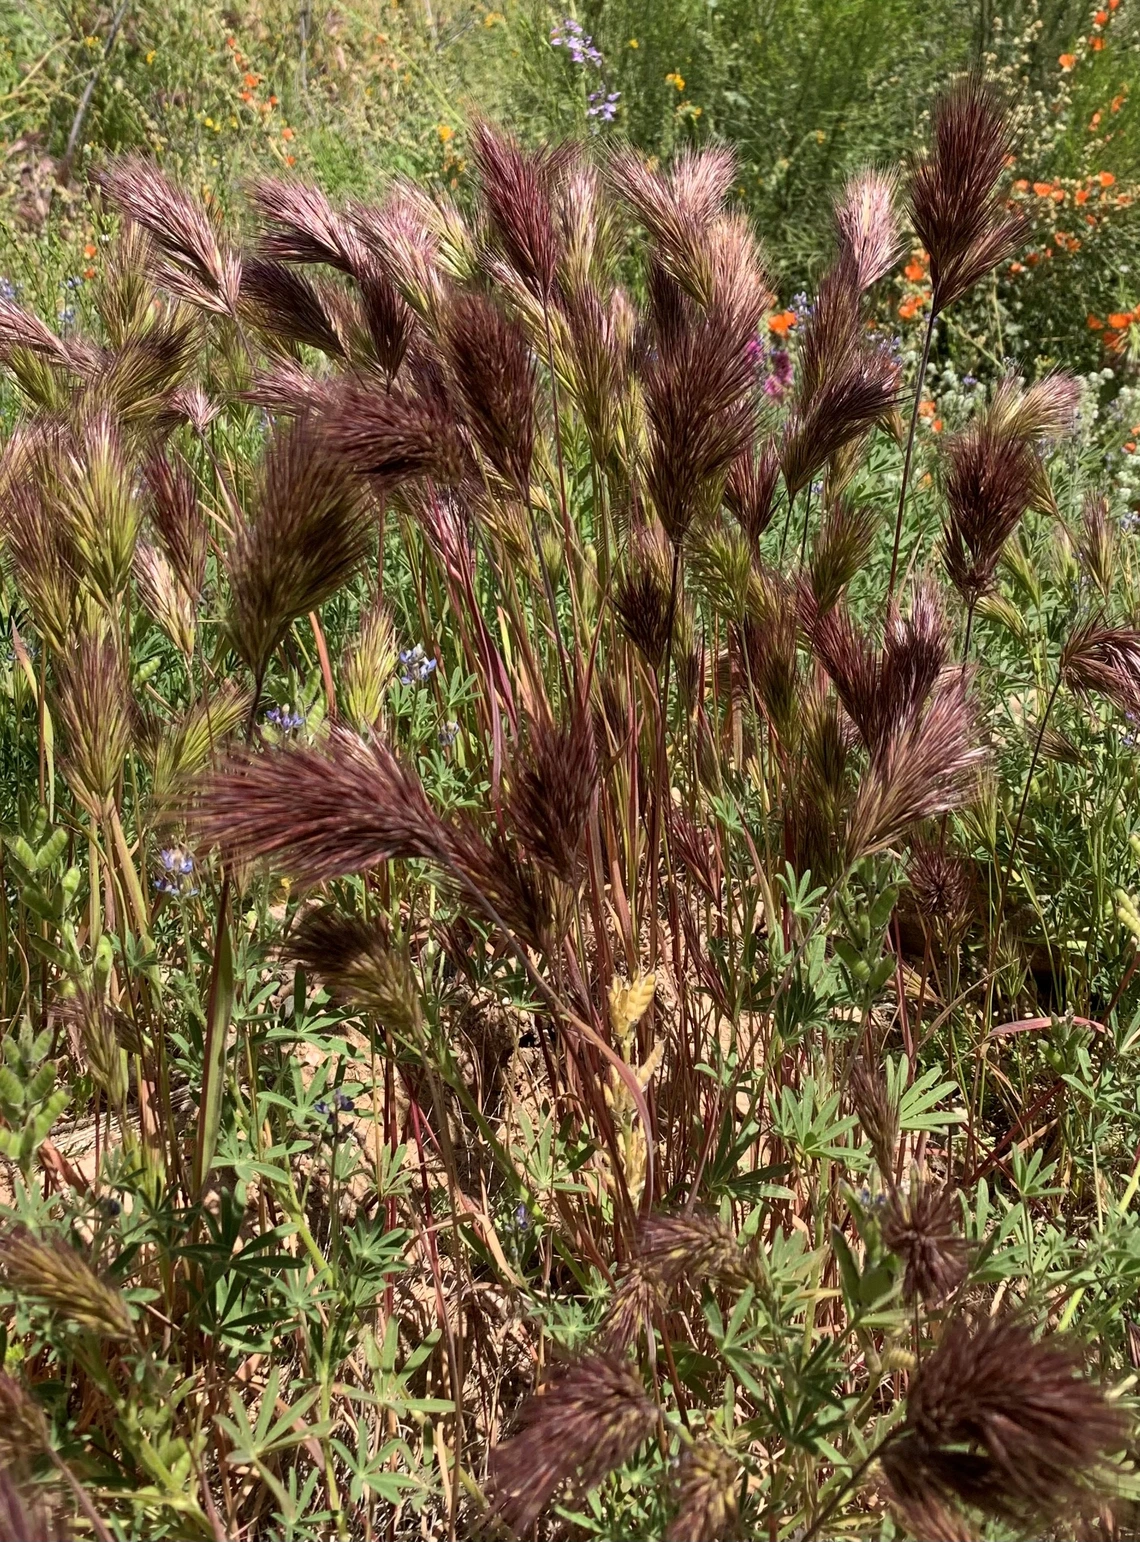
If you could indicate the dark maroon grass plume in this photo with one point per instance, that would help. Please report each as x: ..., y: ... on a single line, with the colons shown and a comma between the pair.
x: 959, y: 216
x: 989, y: 484
x: 310, y: 530
x: 589, y: 1419
x: 1000, y: 1422
x: 319, y: 813
x: 494, y: 371
x: 920, y: 1225
x: 518, y: 186
x: 192, y: 264
x: 391, y: 435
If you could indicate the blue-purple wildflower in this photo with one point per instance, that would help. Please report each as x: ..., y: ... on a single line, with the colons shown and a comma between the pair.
x: 568, y: 34
x: 284, y: 719
x: 417, y: 667
x: 177, y: 871
x: 603, y: 105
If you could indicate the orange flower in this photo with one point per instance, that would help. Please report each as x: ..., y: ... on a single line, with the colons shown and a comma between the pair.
x: 89, y: 273
x: 1123, y: 200
x: 915, y: 271
x: 927, y: 409
x: 1033, y: 258
x: 1066, y: 61
x: 287, y: 133
x: 1094, y: 122
x: 89, y: 250
x: 230, y: 43
x: 1117, y: 103
x: 1081, y: 195
x: 910, y: 307
x: 290, y: 160
x: 246, y: 96
x: 1130, y: 447
x: 1105, y: 178
x: 251, y: 79
x: 273, y: 101
x: 1043, y: 189
x: 1090, y: 219
x: 1100, y: 18
x: 1112, y: 4
x: 1021, y: 185
x: 1017, y: 267
x: 1059, y: 195
x: 1096, y: 44
x: 782, y: 323
x: 1094, y: 323
x: 1120, y: 320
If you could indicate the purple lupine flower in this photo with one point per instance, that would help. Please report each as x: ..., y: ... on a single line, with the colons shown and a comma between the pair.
x: 417, y: 666
x: 568, y: 34
x: 177, y: 870
x: 603, y: 106
x: 284, y: 719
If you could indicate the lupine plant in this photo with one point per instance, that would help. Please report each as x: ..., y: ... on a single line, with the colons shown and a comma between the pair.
x: 568, y: 931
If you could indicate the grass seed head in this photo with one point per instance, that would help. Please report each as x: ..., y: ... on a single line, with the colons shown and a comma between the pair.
x: 319, y: 813
x: 869, y: 241
x: 57, y: 1277
x: 94, y: 703
x: 362, y: 968
x: 517, y: 189
x: 191, y: 263
x: 956, y: 209
x: 310, y: 531
x: 920, y: 1226
x: 990, y: 481
x: 391, y: 435
x: 22, y: 1516
x: 1105, y: 660
x: 704, y: 1492
x: 287, y: 306
x: 877, y: 1111
x: 750, y: 489
x: 1003, y: 1423
x: 674, y: 1246
x: 921, y: 769
x: 589, y: 1419
x: 304, y: 227
x: 494, y: 371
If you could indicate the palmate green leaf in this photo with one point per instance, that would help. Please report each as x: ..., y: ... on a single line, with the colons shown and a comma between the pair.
x: 918, y: 1103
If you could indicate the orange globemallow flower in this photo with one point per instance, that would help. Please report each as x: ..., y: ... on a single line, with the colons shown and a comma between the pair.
x: 251, y: 79
x: 1100, y: 18
x: 1117, y: 103
x: 1017, y: 267
x: 1120, y: 320
x: 782, y: 323
x: 89, y: 250
x: 1094, y: 323
x: 910, y: 308
x: 1105, y: 178
x: 1021, y: 185
x: 1043, y: 189
x: 1066, y: 61
x: 1081, y: 195
x: 915, y: 271
x: 287, y: 133
x: 1096, y: 44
